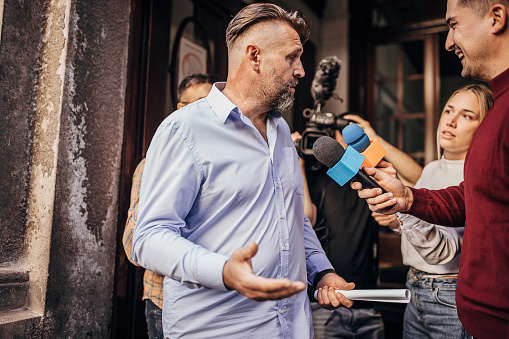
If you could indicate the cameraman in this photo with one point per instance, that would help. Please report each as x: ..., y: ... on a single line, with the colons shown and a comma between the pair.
x: 349, y: 236
x: 309, y: 207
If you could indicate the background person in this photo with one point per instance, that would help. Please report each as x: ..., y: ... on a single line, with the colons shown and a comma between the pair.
x: 223, y: 173
x: 309, y: 206
x: 192, y: 88
x: 479, y: 36
x: 349, y: 236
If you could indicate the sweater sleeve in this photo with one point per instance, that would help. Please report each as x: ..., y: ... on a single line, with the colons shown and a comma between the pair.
x: 437, y: 245
x: 127, y: 239
x: 442, y: 207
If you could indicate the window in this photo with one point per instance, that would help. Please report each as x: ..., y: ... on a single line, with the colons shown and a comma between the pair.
x: 399, y: 95
x: 412, y: 80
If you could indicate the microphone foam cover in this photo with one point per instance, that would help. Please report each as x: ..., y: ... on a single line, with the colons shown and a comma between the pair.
x: 355, y: 137
x: 328, y: 151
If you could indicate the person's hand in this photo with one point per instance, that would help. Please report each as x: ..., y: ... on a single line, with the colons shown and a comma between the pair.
x: 388, y: 168
x: 296, y: 136
x: 238, y: 275
x: 326, y: 294
x: 398, y: 199
x: 365, y: 125
x: 390, y: 220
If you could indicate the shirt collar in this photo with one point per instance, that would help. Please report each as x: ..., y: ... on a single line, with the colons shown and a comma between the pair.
x: 223, y: 107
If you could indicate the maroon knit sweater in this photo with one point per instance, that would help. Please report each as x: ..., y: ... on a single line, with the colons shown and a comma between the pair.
x: 481, y: 204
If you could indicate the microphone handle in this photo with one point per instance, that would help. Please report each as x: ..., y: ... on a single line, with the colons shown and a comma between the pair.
x: 366, y: 180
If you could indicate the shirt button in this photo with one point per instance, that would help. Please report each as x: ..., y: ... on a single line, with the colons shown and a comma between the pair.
x: 281, y: 216
x: 281, y: 311
x: 277, y: 185
x: 284, y: 248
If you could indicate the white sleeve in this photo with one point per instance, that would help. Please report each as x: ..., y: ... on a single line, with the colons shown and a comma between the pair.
x: 437, y: 245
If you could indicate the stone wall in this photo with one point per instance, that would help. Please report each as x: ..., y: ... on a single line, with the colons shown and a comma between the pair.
x: 63, y: 66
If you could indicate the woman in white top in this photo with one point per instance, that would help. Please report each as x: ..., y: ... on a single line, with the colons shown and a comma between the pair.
x: 432, y: 251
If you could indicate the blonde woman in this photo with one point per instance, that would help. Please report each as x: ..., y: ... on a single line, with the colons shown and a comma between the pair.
x: 432, y: 251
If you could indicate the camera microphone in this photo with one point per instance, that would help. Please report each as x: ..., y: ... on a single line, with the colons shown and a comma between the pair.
x: 321, y: 123
x: 324, y: 81
x: 343, y: 164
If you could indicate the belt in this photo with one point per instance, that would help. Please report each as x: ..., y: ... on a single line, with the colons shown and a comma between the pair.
x: 433, y: 276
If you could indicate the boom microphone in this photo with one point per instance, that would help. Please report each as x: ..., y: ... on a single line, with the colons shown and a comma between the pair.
x: 343, y: 164
x: 324, y: 81
x: 320, y: 122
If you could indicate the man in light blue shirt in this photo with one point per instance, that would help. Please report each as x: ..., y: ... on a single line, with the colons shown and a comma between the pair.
x: 221, y: 205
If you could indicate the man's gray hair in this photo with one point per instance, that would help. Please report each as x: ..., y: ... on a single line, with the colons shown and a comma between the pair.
x: 262, y: 12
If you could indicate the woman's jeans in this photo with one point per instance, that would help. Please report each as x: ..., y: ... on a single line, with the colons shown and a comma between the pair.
x: 431, y: 312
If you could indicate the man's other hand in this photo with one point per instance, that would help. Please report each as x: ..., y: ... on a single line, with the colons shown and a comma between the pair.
x: 390, y: 220
x: 238, y: 275
x: 326, y: 294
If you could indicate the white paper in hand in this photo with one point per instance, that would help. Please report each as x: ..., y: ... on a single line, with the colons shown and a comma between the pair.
x: 380, y: 295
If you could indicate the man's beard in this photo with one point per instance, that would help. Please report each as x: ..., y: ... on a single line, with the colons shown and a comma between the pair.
x: 282, y: 98
x: 474, y: 67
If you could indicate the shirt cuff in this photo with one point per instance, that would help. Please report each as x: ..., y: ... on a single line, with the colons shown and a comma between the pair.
x: 316, y: 264
x: 404, y: 221
x: 210, y: 270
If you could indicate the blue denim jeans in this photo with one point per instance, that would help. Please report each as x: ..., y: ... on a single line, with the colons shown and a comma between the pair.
x: 347, y: 323
x: 154, y: 316
x: 431, y: 312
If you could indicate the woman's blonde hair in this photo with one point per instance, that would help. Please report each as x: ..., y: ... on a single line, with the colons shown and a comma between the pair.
x: 484, y: 98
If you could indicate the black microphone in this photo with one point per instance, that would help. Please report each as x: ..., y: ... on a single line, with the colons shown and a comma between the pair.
x: 343, y: 164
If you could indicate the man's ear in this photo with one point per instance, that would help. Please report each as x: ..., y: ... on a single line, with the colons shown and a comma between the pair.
x: 180, y: 105
x: 498, y: 18
x: 253, y: 56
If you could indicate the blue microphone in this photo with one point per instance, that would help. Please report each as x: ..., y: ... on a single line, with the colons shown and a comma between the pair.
x: 354, y: 136
x: 373, y: 151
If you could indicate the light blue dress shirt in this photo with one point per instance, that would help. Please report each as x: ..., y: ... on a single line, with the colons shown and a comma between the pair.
x: 211, y: 184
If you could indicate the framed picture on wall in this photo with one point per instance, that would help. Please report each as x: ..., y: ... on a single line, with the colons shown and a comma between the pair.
x: 190, y: 53
x: 192, y: 59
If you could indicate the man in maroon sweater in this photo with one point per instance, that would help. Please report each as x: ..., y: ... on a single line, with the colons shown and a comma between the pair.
x: 479, y: 36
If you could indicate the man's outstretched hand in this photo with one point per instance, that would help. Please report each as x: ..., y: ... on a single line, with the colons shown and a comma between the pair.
x: 238, y: 275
